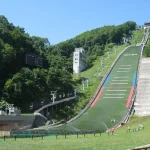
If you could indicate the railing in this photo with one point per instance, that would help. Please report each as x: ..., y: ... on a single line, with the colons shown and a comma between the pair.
x: 56, y: 102
x: 145, y: 147
x: 38, y: 133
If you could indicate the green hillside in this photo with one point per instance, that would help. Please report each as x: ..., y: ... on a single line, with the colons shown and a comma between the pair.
x: 147, y: 49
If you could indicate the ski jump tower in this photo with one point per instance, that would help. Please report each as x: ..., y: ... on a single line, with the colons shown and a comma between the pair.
x: 79, y: 60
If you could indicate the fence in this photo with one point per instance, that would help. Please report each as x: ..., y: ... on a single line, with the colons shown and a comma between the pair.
x: 145, y: 147
x: 38, y: 133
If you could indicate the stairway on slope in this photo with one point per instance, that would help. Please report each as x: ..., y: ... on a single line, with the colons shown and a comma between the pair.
x: 142, y: 103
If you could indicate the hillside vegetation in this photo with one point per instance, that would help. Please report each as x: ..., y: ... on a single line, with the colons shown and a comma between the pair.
x: 23, y: 85
x: 147, y: 49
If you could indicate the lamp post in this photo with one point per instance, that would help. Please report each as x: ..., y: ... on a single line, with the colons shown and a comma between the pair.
x: 113, y: 121
x: 53, y: 93
x: 75, y: 92
x: 82, y: 84
x: 108, y: 53
x: 31, y: 106
x: 101, y: 62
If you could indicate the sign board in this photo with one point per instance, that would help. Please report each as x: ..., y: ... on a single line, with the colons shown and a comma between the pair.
x: 33, y: 60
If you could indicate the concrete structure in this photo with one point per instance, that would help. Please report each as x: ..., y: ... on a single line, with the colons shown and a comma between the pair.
x: 11, y: 118
x: 2, y: 113
x: 138, y: 27
x: 12, y: 110
x: 125, y: 40
x: 142, y: 103
x: 79, y: 60
x: 15, y: 122
x: 146, y: 25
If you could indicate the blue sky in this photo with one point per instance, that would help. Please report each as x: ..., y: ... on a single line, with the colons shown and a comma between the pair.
x: 59, y: 20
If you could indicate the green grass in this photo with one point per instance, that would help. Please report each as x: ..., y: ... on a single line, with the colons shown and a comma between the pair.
x: 121, y: 140
x: 27, y: 114
x: 147, y: 49
x: 138, y: 35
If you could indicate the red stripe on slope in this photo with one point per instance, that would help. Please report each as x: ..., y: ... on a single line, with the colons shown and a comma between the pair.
x: 130, y: 97
x: 97, y: 97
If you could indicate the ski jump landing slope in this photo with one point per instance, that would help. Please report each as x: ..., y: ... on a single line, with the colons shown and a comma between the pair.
x: 114, y: 97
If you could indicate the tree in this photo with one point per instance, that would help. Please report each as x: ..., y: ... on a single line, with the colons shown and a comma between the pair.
x: 24, y: 88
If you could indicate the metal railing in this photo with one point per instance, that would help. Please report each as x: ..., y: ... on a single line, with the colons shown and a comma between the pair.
x: 55, y: 103
x: 145, y: 147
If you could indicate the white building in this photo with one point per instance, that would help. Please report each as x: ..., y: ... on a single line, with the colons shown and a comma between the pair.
x: 79, y: 60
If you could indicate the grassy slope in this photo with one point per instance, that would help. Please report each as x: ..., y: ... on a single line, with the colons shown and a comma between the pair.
x: 137, y: 36
x: 147, y: 46
x: 121, y: 140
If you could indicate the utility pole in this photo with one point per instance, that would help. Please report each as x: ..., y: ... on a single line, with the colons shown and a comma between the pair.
x: 83, y: 84
x: 101, y: 62
x: 75, y: 92
x: 87, y: 82
x: 108, y: 54
x: 115, y: 49
x: 113, y: 121
x: 78, y: 72
x: 53, y: 93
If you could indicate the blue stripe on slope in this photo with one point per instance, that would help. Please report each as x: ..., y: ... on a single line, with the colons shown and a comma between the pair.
x: 106, y: 81
x: 134, y: 80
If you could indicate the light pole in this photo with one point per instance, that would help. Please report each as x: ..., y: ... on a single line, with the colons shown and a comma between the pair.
x: 108, y: 53
x: 75, y: 92
x: 82, y: 84
x: 53, y: 93
x: 31, y: 106
x: 87, y: 82
x: 113, y: 121
x: 101, y: 62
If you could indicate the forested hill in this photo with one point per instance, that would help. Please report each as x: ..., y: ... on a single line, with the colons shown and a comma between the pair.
x: 95, y: 41
x: 22, y: 84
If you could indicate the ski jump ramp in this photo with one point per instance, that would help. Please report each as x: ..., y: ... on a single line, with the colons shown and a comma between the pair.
x: 113, y: 99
